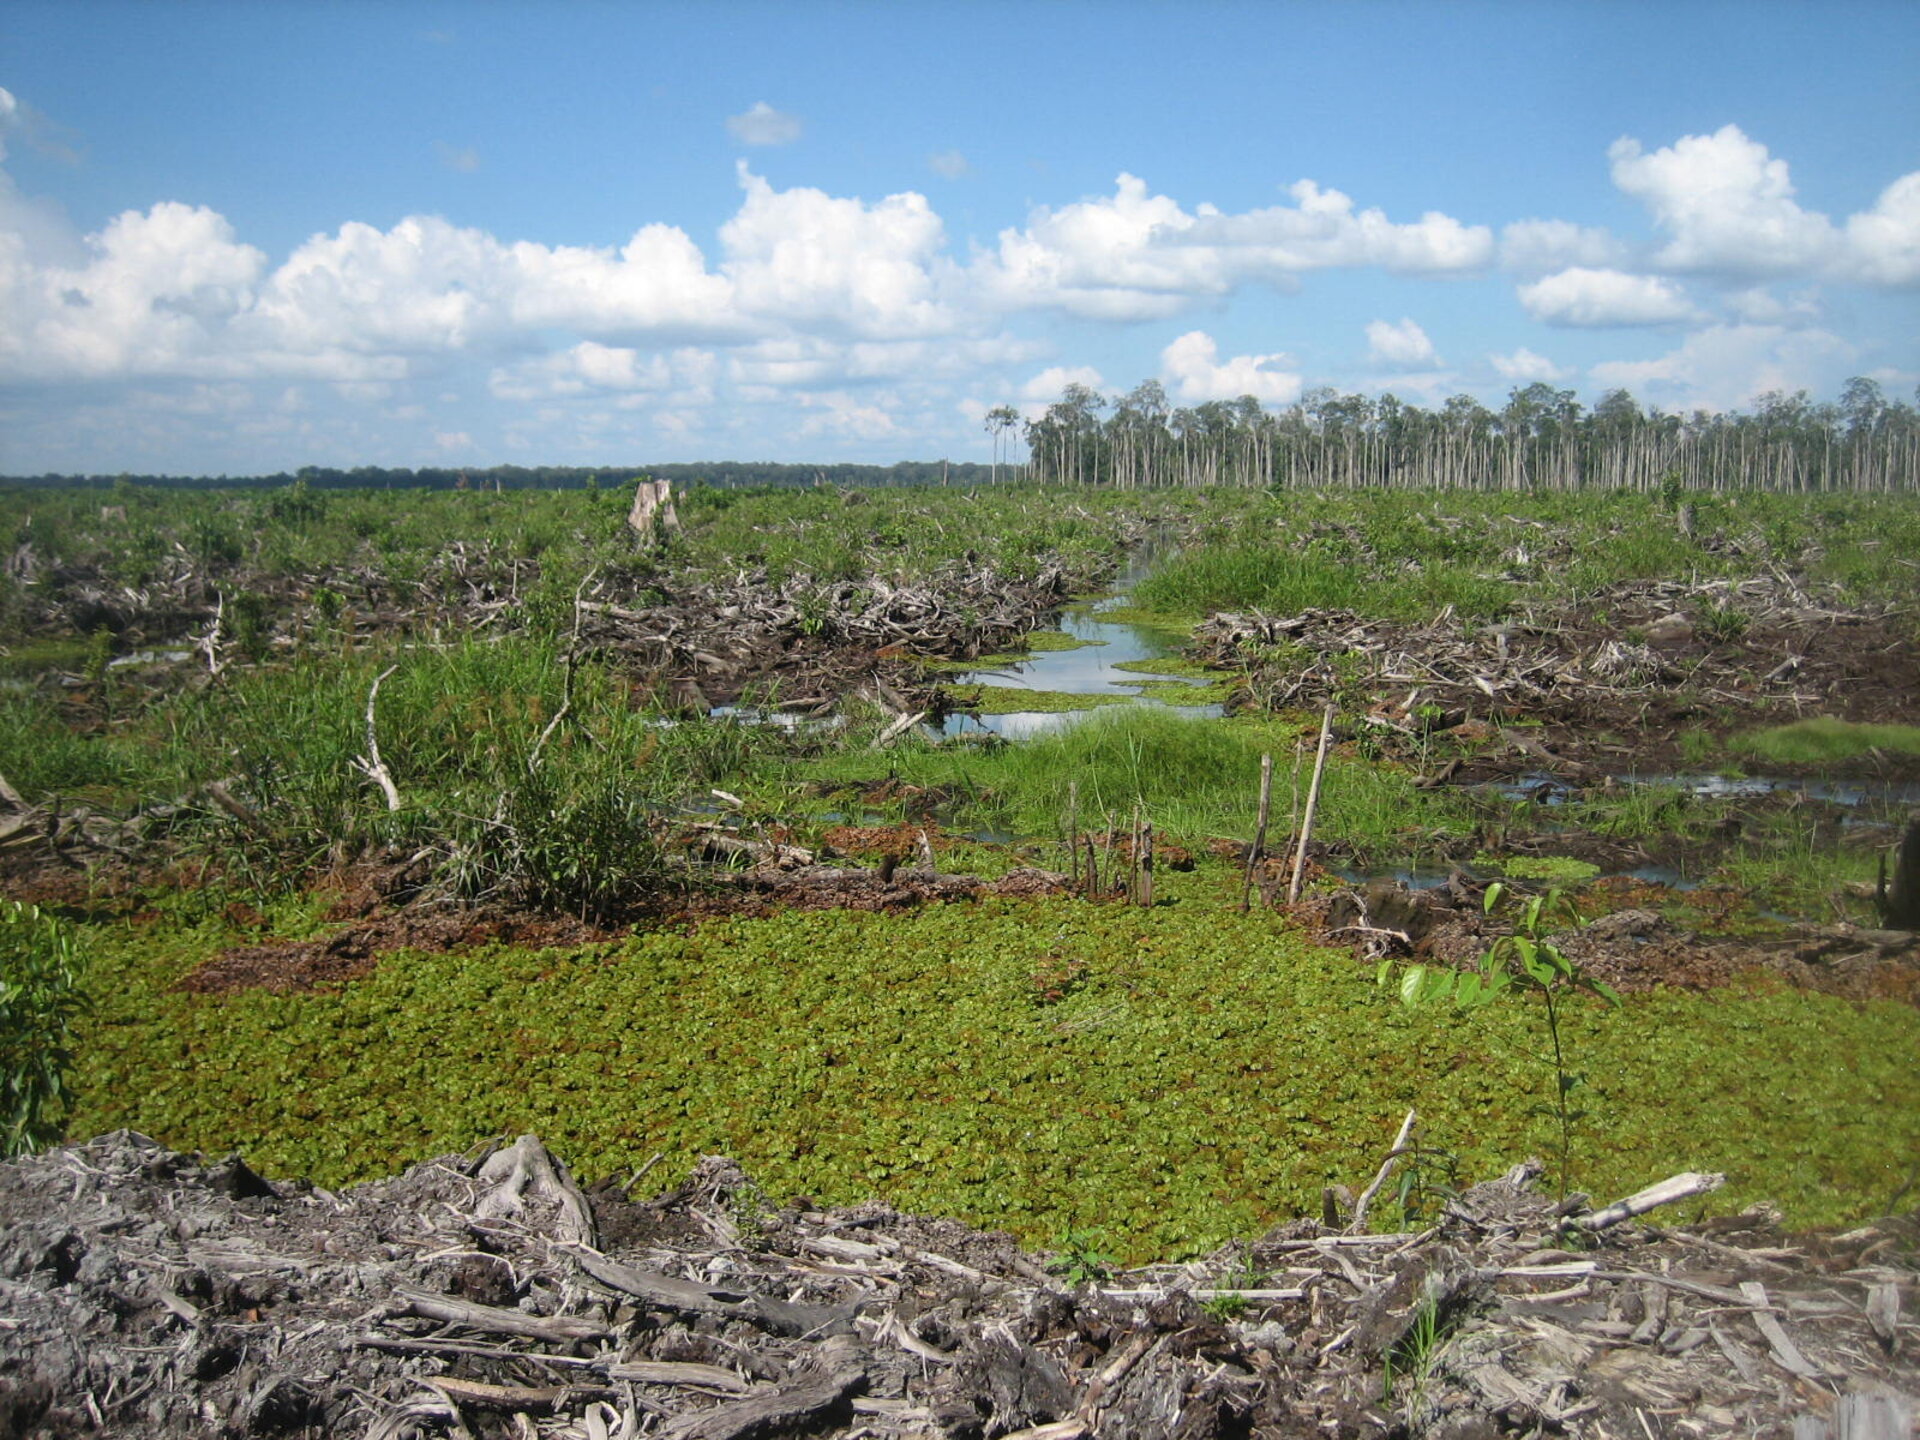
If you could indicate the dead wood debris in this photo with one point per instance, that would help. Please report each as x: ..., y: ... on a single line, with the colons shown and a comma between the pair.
x: 148, y: 1293
x: 706, y: 644
x: 1639, y: 652
x: 1634, y: 948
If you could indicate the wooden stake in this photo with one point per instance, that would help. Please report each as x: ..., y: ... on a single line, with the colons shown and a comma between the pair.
x: 1259, y: 829
x: 1133, y: 885
x: 1313, y: 801
x: 1073, y: 832
x: 1144, y: 848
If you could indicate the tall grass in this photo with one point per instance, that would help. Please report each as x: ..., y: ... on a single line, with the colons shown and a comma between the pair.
x: 501, y: 792
x: 1195, y: 779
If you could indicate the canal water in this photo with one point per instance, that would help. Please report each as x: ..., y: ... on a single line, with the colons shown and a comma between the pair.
x: 1089, y: 669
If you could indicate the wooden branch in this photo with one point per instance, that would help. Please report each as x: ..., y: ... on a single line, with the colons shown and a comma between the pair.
x: 898, y: 728
x: 526, y: 1168
x: 514, y: 1398
x: 566, y: 685
x: 837, y: 1369
x: 217, y: 792
x: 682, y: 1372
x: 370, y: 764
x: 210, y: 642
x: 1400, y: 1147
x: 555, y: 1329
x: 1679, y: 1187
x: 689, y: 1297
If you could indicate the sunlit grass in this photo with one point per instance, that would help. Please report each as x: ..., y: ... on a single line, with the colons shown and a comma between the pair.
x: 1825, y: 739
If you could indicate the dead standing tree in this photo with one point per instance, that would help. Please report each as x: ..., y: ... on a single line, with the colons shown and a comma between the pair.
x: 653, y: 515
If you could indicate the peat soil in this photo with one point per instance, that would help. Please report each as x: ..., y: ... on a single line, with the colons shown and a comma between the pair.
x: 154, y: 1294
x: 1609, y: 686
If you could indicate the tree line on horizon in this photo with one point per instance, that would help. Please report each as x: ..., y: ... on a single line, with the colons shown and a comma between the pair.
x: 720, y: 473
x: 1541, y: 439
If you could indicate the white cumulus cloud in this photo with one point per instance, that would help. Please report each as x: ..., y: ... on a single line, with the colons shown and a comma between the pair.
x: 1726, y: 203
x: 1722, y: 367
x: 1192, y: 366
x: 1590, y: 298
x: 1535, y: 247
x: 592, y: 368
x: 764, y: 125
x: 1404, y: 345
x: 840, y: 414
x: 1136, y: 255
x: 150, y: 294
x: 1883, y: 244
x: 1523, y: 367
x: 1048, y: 386
x: 804, y: 257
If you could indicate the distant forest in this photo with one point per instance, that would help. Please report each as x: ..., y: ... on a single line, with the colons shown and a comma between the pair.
x: 1541, y: 439
x: 547, y: 477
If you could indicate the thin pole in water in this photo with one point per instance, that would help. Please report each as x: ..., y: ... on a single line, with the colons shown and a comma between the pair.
x: 1313, y: 800
x: 1259, y: 829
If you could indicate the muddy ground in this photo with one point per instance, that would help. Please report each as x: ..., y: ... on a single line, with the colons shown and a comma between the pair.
x: 152, y: 1294
x: 1611, y: 685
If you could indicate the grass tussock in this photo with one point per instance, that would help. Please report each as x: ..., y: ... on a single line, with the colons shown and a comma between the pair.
x: 1824, y: 740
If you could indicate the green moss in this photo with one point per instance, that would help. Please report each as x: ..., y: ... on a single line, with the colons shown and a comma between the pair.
x: 1551, y: 869
x: 1011, y: 700
x: 1175, y: 692
x: 36, y: 657
x: 1041, y: 641
x: 1825, y: 739
x: 1205, y: 1077
x: 1168, y: 665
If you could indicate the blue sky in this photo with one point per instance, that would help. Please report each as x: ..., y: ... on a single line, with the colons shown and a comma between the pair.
x: 238, y: 238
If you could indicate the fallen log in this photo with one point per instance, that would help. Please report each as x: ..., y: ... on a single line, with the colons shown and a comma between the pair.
x: 838, y: 1369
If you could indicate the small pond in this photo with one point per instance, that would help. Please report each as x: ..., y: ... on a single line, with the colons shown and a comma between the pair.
x: 1092, y: 668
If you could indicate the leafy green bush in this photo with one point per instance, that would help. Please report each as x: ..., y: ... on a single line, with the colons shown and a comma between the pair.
x: 40, y: 998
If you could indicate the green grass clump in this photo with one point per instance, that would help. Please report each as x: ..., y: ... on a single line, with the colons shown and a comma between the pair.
x: 1825, y: 739
x: 1199, y: 1075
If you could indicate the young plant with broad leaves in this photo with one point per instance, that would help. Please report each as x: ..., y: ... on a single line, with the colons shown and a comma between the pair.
x: 40, y: 999
x: 1527, y: 961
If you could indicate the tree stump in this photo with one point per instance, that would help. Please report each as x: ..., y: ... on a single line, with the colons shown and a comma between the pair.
x: 1899, y: 896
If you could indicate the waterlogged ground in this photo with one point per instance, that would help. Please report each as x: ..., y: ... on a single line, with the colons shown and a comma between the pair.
x: 1171, y: 1078
x: 1507, y: 672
